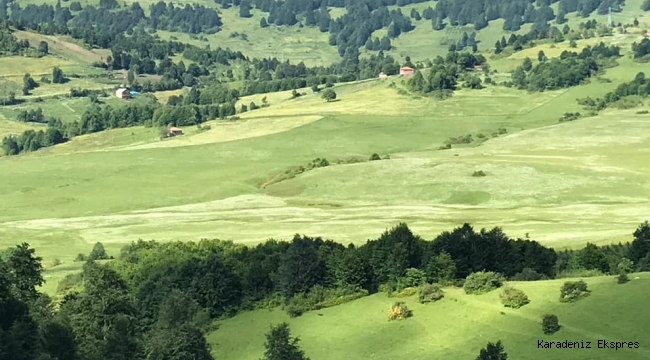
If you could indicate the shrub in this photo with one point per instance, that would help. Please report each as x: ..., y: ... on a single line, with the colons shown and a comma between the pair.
x: 550, y: 324
x: 482, y: 282
x: 406, y: 292
x: 642, y: 112
x: 622, y: 278
x: 430, y: 293
x: 374, y: 157
x: 573, y: 290
x: 319, y: 297
x: 513, y: 298
x: 528, y: 274
x: 80, y: 257
x: 479, y: 173
x: 56, y: 262
x: 399, y: 311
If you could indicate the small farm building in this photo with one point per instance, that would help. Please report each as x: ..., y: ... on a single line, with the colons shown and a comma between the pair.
x: 406, y: 71
x: 174, y: 131
x: 382, y: 75
x: 123, y: 93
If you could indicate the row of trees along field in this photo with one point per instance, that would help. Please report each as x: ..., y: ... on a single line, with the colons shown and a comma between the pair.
x: 156, y: 300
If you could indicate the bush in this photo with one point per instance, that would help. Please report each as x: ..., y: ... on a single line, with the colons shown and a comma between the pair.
x: 528, y: 274
x: 573, y: 290
x: 320, y: 297
x: 513, y: 298
x: 399, y: 311
x: 406, y: 292
x: 479, y: 173
x: 482, y: 282
x: 374, y: 157
x: 550, y: 324
x: 622, y: 278
x: 430, y: 293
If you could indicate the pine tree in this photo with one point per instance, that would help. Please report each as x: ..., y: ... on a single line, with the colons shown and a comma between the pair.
x: 280, y: 346
x: 493, y: 352
x: 245, y: 9
x: 263, y: 23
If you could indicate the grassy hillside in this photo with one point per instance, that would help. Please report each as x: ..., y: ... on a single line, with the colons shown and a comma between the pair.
x: 456, y: 327
x: 207, y: 184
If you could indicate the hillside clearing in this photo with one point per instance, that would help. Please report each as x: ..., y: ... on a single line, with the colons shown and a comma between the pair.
x: 360, y: 329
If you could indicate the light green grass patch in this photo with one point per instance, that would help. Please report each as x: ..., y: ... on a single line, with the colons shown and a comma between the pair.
x: 298, y: 44
x: 456, y: 327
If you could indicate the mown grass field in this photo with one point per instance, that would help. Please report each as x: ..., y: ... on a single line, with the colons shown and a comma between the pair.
x: 457, y: 326
x: 125, y: 184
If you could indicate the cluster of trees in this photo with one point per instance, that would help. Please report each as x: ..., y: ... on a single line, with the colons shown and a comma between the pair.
x: 444, y: 74
x: 641, y: 50
x: 376, y: 44
x: 111, y: 18
x: 640, y: 86
x: 156, y: 300
x: 570, y: 69
x: 101, y: 322
x: 353, y: 29
x: 9, y: 45
x: 32, y: 140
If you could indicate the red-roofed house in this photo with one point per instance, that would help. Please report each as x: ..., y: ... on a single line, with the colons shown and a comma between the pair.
x: 406, y: 71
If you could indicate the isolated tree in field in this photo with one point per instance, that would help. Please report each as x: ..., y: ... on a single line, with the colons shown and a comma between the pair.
x: 550, y: 324
x: 28, y: 84
x: 513, y: 298
x: 263, y: 23
x: 98, y: 252
x: 573, y: 290
x: 43, y: 48
x: 493, y: 351
x: 57, y: 76
x: 329, y: 95
x: 281, y: 346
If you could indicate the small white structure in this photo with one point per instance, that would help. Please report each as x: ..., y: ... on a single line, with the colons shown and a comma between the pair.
x: 123, y: 93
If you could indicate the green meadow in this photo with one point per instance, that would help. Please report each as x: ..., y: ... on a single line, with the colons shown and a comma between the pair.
x: 457, y: 326
x: 562, y: 184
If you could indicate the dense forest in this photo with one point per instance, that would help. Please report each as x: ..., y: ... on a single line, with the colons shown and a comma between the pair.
x: 102, y: 25
x: 156, y: 300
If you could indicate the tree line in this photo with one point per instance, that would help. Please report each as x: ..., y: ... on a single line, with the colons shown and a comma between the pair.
x: 640, y: 86
x: 156, y: 300
x: 444, y: 74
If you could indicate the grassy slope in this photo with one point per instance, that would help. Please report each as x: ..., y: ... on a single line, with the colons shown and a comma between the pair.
x: 68, y: 197
x: 456, y: 327
x: 298, y: 44
x: 424, y: 43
